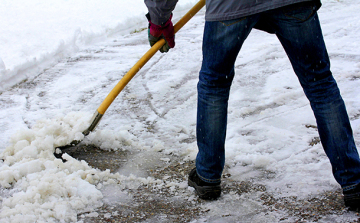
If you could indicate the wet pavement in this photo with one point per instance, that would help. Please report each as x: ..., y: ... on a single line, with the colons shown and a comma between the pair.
x: 153, y: 203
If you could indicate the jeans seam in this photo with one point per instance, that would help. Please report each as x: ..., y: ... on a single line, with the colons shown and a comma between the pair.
x: 347, y: 188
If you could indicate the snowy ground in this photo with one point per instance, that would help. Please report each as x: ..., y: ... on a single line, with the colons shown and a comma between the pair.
x: 272, y: 136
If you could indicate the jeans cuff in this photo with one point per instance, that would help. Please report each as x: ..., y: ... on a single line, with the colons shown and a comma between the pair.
x: 216, y: 181
x: 351, y: 187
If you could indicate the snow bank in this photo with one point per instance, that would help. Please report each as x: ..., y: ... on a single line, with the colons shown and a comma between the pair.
x: 36, y: 34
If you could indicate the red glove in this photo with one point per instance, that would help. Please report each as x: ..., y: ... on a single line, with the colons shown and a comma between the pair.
x: 165, y: 31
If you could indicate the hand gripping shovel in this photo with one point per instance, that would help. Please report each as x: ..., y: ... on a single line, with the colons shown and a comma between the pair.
x: 125, y: 80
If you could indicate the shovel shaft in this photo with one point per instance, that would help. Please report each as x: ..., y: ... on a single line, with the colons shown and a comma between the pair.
x: 128, y: 76
x: 189, y: 15
x: 143, y: 60
x: 133, y: 71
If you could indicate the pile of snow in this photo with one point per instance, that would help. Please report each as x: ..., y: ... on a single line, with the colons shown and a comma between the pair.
x: 43, y: 188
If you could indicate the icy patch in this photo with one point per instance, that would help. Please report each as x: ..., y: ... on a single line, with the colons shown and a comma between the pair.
x: 140, y: 163
x: 114, y: 195
x: 227, y: 209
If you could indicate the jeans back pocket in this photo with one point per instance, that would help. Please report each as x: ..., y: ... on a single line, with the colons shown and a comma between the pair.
x: 300, y: 11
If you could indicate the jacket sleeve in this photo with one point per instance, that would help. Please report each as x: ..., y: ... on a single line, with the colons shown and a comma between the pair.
x: 160, y: 10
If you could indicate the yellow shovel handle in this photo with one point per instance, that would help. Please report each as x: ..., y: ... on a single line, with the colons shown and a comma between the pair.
x: 144, y: 59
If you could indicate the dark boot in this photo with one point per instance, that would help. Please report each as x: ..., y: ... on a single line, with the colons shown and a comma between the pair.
x: 206, y: 191
x: 352, y: 198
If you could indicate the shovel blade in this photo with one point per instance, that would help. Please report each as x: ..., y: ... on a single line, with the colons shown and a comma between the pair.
x: 69, y: 149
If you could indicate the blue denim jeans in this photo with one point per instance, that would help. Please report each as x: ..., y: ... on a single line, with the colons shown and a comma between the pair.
x: 298, y: 29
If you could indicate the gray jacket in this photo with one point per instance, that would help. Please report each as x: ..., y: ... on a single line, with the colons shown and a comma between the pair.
x: 218, y: 10
x: 160, y: 10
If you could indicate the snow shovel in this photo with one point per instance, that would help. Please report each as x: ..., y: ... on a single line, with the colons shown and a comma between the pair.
x: 125, y: 80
